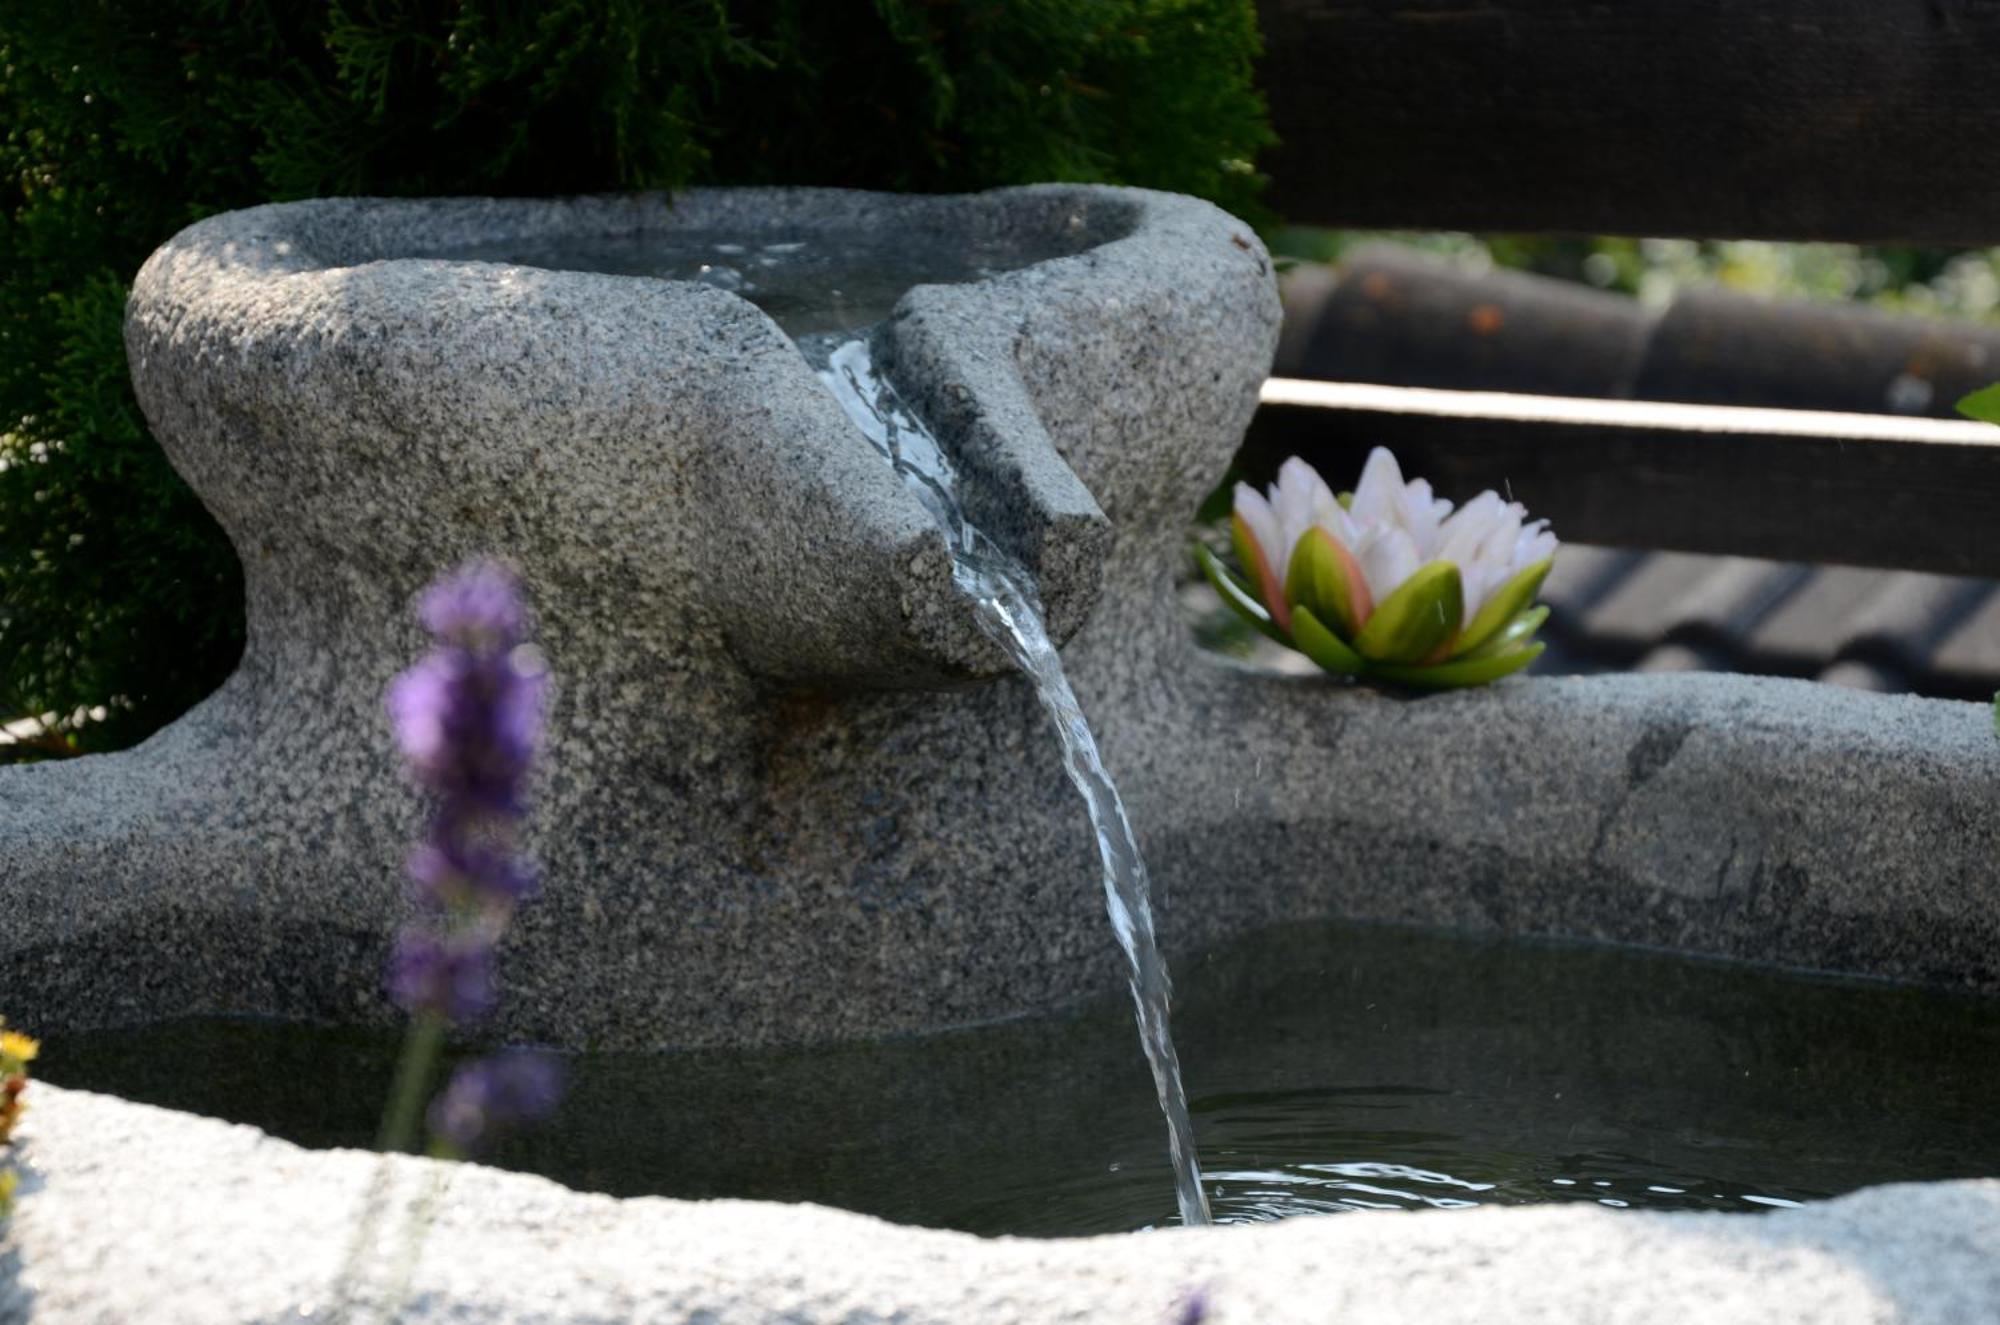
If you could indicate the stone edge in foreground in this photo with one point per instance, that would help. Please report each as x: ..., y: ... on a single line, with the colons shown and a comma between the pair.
x: 134, y: 1213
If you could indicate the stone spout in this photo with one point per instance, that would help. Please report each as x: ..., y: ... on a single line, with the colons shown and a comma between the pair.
x: 956, y: 366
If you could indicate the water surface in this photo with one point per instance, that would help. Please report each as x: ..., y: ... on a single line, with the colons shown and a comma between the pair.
x: 1332, y: 1068
x: 810, y: 282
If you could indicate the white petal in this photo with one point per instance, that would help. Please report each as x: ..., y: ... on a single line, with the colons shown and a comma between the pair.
x: 1508, y: 550
x: 1534, y: 544
x: 1482, y: 540
x: 1418, y: 512
x: 1480, y: 583
x: 1497, y: 548
x: 1389, y: 558
x: 1376, y: 496
x: 1297, y: 473
x: 1326, y: 514
x: 1263, y: 523
x: 1461, y: 537
x: 1299, y: 498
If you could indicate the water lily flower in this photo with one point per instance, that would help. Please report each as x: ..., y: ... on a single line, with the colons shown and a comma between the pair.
x: 1389, y: 581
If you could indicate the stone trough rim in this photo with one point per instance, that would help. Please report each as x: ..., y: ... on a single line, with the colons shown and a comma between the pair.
x: 279, y: 239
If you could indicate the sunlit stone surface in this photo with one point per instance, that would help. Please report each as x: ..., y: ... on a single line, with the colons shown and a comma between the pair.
x: 264, y: 1227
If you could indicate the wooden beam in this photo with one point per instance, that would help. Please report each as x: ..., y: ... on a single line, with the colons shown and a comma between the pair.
x: 1792, y: 485
x: 1784, y: 119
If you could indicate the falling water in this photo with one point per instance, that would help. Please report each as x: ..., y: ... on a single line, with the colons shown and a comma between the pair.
x: 820, y: 293
x: 1003, y: 595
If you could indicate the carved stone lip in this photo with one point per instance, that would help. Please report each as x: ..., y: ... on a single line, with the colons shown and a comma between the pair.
x: 1061, y: 219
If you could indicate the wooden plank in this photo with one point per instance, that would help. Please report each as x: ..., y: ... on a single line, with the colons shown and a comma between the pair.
x: 1792, y: 485
x: 1785, y: 119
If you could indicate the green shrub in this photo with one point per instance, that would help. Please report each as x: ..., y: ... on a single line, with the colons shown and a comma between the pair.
x: 127, y: 119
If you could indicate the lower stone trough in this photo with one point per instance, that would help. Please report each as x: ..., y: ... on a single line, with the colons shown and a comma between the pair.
x: 793, y: 797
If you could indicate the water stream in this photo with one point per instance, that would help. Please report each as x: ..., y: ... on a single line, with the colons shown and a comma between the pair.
x: 825, y: 292
x: 1003, y: 596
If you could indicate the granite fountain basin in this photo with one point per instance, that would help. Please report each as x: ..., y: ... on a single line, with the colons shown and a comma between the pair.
x: 791, y: 795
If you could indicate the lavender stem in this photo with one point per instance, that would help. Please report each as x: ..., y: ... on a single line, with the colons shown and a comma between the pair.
x: 414, y: 1070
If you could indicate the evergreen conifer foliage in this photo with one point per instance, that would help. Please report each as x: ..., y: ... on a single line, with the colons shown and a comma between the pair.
x: 123, y: 120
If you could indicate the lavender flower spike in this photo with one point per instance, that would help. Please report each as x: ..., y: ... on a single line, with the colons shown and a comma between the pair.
x: 458, y: 876
x: 479, y: 609
x: 1192, y: 1309
x: 450, y: 978
x: 492, y: 1096
x: 469, y: 719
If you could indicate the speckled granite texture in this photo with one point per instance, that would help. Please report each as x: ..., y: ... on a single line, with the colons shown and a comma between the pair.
x: 790, y: 793
x: 90, y: 1244
x: 758, y: 817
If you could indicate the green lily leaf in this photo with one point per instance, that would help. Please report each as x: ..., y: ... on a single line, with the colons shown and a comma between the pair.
x: 1459, y: 673
x: 1513, y: 635
x: 1324, y: 647
x: 1414, y: 622
x: 1233, y: 592
x: 1503, y: 607
x: 1983, y: 404
x: 1322, y: 576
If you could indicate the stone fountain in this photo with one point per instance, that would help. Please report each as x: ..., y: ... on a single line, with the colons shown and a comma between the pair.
x: 787, y: 797
x: 783, y: 799
x: 793, y: 794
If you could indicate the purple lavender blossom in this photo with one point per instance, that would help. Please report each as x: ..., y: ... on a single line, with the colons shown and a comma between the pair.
x: 449, y: 977
x: 469, y: 718
x: 454, y: 875
x: 478, y: 609
x: 1192, y: 1309
x: 469, y: 721
x: 492, y: 1096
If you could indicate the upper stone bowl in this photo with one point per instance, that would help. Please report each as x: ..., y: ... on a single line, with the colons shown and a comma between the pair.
x: 754, y: 820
